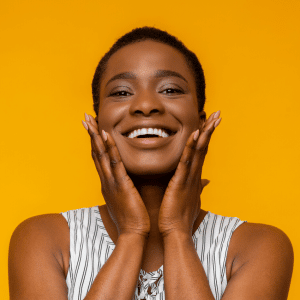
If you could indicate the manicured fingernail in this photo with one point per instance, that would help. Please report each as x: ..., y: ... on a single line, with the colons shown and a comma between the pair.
x: 217, y: 122
x: 196, y: 134
x: 104, y: 135
x: 85, y: 125
x: 87, y: 118
x: 217, y: 115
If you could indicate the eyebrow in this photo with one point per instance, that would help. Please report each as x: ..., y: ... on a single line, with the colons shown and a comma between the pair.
x: 158, y: 74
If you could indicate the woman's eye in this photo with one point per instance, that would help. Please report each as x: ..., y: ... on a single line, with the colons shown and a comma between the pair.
x: 171, y: 91
x: 120, y: 94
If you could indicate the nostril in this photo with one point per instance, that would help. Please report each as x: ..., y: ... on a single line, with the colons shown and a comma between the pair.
x: 144, y: 112
x: 146, y: 106
x: 138, y: 112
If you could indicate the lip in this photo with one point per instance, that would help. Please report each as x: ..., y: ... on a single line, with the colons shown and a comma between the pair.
x: 149, y: 143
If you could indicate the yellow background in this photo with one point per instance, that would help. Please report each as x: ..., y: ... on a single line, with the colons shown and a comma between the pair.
x: 250, y: 54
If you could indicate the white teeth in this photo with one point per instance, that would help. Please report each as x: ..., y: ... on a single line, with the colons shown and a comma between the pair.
x: 144, y: 131
x: 150, y: 131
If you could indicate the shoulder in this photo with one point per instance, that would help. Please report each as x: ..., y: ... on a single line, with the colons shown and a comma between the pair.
x: 263, y: 237
x: 260, y: 244
x: 41, y: 227
x: 39, y: 258
x: 44, y: 235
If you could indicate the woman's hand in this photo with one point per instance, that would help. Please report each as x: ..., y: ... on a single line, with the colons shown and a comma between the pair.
x: 181, y: 203
x: 123, y: 201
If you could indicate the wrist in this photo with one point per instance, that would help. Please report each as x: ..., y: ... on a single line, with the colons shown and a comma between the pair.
x: 133, y: 237
x: 178, y: 235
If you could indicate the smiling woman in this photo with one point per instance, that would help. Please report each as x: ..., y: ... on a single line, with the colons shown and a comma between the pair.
x: 151, y: 240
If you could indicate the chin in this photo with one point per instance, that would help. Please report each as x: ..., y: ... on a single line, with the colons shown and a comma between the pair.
x: 150, y: 169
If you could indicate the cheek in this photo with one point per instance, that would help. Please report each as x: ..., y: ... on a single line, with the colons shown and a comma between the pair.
x: 109, y: 116
x: 187, y: 114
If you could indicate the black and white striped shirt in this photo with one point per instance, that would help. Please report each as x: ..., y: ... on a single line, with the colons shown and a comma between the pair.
x: 91, y: 246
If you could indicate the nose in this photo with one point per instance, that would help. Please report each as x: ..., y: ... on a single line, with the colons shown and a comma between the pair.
x: 146, y: 103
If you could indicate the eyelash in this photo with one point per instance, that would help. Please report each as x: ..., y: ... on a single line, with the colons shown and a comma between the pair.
x: 177, y: 91
x: 118, y: 92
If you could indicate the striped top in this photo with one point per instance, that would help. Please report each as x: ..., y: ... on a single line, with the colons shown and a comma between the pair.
x: 91, y: 246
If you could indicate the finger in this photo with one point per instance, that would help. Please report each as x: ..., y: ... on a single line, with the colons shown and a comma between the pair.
x: 189, y: 164
x: 98, y: 166
x: 185, y: 162
x: 206, y: 132
x: 212, y: 116
x: 99, y: 149
x: 96, y: 138
x: 95, y: 158
x: 205, y: 135
x: 93, y: 121
x: 208, y: 129
x: 116, y: 164
x: 202, y: 146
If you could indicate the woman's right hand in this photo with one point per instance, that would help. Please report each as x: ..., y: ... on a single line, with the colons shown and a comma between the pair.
x: 124, y: 203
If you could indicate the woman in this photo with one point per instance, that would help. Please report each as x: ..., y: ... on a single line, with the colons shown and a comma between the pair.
x: 151, y: 240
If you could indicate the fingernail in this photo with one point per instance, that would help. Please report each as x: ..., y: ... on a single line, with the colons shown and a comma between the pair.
x: 196, y: 134
x: 217, y: 114
x: 217, y: 122
x: 87, y: 118
x: 104, y: 135
x: 85, y: 125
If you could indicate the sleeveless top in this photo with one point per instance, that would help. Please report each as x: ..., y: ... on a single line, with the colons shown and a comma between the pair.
x: 91, y: 246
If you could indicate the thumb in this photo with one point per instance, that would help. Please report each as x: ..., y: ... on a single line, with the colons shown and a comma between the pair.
x: 204, y: 182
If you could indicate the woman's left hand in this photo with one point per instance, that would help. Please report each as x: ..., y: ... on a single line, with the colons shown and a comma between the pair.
x: 181, y: 203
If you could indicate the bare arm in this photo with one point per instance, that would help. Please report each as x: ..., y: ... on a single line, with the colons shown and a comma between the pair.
x: 262, y: 266
x: 184, y: 275
x: 118, y: 277
x: 262, y: 255
x: 35, y: 264
x: 37, y: 269
x: 263, y: 263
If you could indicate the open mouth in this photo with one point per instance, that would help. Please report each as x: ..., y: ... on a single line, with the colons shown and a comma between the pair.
x: 149, y: 133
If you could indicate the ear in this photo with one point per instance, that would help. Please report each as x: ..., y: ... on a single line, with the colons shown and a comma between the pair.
x: 202, y: 118
x: 96, y: 119
x: 202, y: 115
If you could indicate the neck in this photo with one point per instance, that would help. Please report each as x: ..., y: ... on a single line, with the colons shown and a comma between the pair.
x: 152, y: 190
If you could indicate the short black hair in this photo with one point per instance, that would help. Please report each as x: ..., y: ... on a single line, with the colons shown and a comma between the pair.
x: 151, y: 33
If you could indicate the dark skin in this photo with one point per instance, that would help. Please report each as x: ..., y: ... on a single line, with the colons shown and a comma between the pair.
x: 152, y: 191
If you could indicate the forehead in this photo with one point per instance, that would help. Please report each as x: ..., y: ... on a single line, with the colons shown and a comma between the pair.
x: 144, y: 58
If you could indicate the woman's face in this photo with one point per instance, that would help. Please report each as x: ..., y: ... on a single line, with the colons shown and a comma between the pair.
x: 149, y: 85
